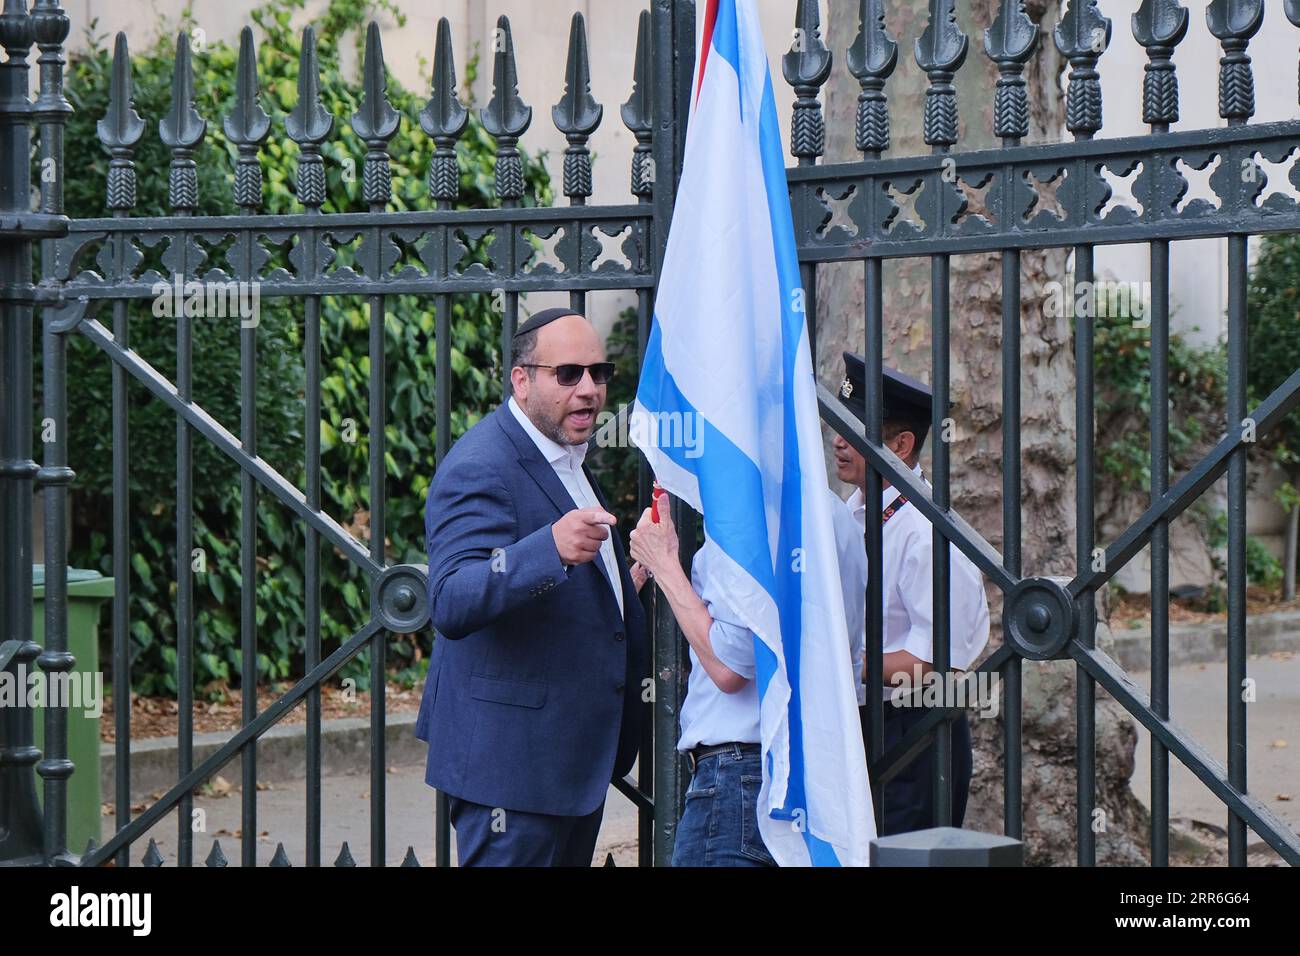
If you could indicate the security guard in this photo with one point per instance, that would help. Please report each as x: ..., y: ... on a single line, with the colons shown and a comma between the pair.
x: 908, y: 561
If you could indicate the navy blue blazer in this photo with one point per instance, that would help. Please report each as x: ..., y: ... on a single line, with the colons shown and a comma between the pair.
x: 533, y: 699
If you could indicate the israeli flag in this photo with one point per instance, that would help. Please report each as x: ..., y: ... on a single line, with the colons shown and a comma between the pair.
x: 729, y: 351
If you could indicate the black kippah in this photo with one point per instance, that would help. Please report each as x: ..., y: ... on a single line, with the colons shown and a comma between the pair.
x: 545, y: 317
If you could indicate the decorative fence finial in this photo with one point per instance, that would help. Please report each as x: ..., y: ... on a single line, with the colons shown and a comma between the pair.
x: 1234, y: 22
x: 806, y: 67
x: 120, y: 129
x: 1160, y: 25
x: 1082, y: 37
x: 50, y: 27
x: 216, y: 856
x: 506, y: 117
x: 375, y: 122
x: 247, y: 126
x: 940, y: 52
x: 577, y: 114
x: 182, y: 129
x: 444, y: 119
x: 871, y: 60
x: 17, y: 32
x: 638, y: 112
x: 152, y: 857
x: 1009, y: 43
x: 1292, y: 8
x: 308, y: 125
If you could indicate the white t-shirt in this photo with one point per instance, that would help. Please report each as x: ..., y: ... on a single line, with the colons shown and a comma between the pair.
x: 711, y: 717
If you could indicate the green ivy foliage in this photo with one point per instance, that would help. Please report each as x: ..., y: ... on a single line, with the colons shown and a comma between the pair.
x: 616, y: 467
x: 410, y: 371
x: 1273, y: 350
x: 1197, y: 375
x: 1197, y: 401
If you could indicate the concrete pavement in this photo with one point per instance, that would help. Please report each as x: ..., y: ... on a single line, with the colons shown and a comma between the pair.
x: 1198, y: 703
x: 345, y: 812
x: 1197, y: 693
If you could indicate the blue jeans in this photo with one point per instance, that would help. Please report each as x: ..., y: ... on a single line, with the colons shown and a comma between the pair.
x: 720, y: 824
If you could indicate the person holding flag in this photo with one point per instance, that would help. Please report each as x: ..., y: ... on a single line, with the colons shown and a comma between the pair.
x: 729, y: 352
x: 720, y: 729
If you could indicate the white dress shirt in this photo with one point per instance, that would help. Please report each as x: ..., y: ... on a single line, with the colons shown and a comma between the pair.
x: 708, y: 715
x: 567, y: 462
x: 853, y: 585
x: 908, y: 554
x: 711, y: 717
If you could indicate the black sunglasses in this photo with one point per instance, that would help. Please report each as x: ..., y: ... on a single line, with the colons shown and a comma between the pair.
x: 571, y: 374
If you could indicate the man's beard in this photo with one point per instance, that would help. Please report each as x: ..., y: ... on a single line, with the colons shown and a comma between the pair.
x: 554, y: 430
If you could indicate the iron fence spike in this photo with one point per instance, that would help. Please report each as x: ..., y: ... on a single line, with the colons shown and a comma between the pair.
x: 940, y: 51
x: 247, y: 125
x: 577, y: 114
x: 872, y: 59
x: 638, y: 112
x: 1082, y: 36
x: 806, y: 66
x: 444, y: 118
x: 1234, y: 22
x: 1009, y: 42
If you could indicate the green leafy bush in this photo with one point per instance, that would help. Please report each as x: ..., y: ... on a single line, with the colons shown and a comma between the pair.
x: 1273, y: 355
x: 410, y: 364
x: 617, y: 467
x: 1261, y: 567
x: 1197, y: 402
x: 1122, y: 349
x: 1273, y: 352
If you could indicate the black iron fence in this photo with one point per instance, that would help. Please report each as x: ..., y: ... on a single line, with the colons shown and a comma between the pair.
x: 1043, y: 618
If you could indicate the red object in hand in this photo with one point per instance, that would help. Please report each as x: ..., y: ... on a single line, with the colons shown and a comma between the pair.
x: 655, y: 495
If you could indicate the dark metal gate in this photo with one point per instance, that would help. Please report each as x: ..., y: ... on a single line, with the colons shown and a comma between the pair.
x: 93, y: 299
x: 1044, y: 619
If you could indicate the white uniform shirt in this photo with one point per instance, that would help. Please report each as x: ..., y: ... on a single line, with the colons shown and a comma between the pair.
x: 908, y: 554
x: 711, y: 717
x: 567, y: 462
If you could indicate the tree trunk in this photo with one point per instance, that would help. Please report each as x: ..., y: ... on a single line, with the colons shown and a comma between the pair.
x: 1047, y: 425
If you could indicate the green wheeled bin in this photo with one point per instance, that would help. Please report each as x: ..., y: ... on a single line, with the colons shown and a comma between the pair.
x: 87, y: 591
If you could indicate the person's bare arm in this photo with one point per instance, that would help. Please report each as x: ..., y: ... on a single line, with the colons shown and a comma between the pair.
x: 904, y: 663
x: 654, y: 546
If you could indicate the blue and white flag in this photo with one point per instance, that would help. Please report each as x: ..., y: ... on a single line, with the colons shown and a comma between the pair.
x: 729, y: 351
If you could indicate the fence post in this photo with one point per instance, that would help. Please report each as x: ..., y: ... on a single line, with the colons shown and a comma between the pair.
x: 672, y: 58
x: 50, y: 112
x: 20, y: 818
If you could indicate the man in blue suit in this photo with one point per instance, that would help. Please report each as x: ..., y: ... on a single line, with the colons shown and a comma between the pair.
x: 533, y: 700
